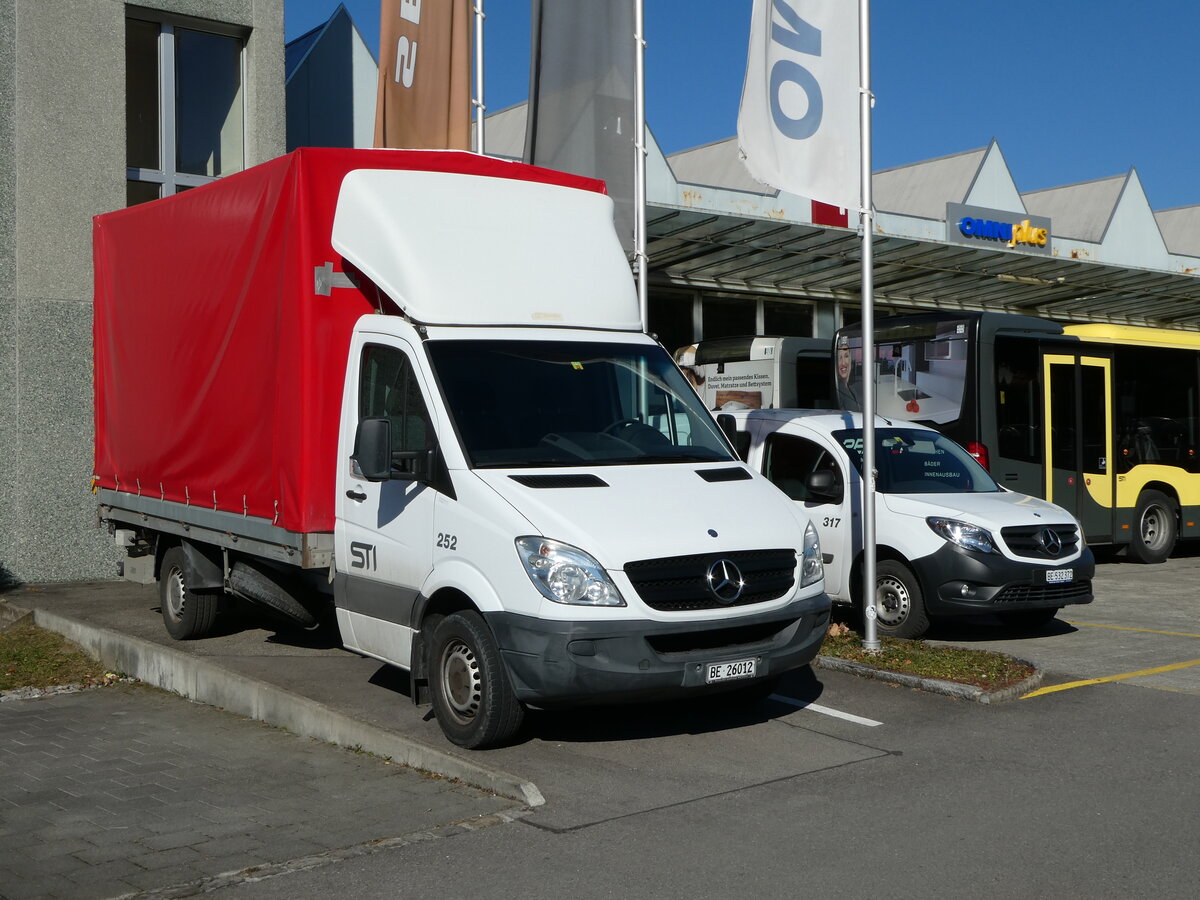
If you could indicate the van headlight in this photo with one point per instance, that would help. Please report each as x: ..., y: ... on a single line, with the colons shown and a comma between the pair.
x: 812, y: 569
x: 964, y: 534
x: 566, y: 574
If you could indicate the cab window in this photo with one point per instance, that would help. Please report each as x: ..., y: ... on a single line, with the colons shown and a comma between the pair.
x: 789, y: 460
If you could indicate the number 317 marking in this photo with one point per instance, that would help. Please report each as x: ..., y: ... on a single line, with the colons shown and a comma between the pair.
x: 831, y: 522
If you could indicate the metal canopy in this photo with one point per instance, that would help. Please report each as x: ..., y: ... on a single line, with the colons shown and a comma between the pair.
x: 704, y: 249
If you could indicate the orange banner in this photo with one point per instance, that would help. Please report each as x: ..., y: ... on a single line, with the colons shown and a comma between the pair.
x: 424, y: 75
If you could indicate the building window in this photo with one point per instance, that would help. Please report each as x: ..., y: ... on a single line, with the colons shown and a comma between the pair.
x: 185, y: 118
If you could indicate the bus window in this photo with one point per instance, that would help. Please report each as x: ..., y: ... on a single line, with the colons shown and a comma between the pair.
x: 1018, y: 400
x: 1155, y: 416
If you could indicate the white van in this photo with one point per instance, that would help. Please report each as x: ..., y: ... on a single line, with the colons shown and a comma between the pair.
x: 950, y: 540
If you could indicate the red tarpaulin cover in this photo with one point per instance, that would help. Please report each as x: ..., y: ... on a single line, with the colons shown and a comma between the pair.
x: 218, y: 368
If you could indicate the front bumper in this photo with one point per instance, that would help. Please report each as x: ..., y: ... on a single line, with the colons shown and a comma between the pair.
x: 554, y: 663
x: 995, y: 583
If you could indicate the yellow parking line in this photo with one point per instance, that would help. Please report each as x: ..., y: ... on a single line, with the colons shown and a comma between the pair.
x: 1125, y: 628
x: 1122, y: 677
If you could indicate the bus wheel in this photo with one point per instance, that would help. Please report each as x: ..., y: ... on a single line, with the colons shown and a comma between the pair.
x: 899, y: 607
x: 1154, y: 528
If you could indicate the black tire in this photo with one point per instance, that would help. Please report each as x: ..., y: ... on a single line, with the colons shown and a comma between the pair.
x: 899, y: 604
x: 186, y: 614
x: 261, y: 589
x: 1155, y: 528
x: 1027, y: 619
x: 472, y: 697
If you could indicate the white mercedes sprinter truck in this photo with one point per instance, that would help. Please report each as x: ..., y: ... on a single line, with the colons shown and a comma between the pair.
x: 416, y: 384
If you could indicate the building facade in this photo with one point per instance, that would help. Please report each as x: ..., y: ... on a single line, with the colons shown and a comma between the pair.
x: 134, y: 102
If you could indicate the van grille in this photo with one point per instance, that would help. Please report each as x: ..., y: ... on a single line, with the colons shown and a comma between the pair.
x: 1047, y: 594
x: 1037, y: 541
x: 680, y: 583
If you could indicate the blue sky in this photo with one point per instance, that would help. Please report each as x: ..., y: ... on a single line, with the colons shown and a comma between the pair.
x: 1072, y: 89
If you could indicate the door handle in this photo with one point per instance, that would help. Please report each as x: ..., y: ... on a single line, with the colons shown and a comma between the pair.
x: 358, y: 496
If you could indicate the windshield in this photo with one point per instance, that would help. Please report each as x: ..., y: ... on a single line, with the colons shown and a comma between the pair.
x: 920, y: 369
x: 528, y: 404
x: 916, y: 461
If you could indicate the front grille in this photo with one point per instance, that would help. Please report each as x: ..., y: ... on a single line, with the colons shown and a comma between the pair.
x: 1030, y: 541
x: 680, y: 584
x: 718, y: 638
x: 1046, y: 594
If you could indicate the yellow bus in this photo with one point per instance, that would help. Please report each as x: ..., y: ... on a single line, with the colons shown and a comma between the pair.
x: 1100, y: 419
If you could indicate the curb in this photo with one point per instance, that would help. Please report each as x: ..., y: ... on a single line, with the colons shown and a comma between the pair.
x: 936, y: 685
x: 199, y: 679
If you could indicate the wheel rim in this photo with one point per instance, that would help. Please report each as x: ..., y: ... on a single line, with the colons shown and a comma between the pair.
x: 892, y: 601
x: 462, y: 685
x: 1153, y: 527
x: 176, y: 595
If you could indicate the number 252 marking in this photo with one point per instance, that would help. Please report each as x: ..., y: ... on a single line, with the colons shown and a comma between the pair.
x: 447, y: 541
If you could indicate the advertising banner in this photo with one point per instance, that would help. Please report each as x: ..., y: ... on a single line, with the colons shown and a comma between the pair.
x: 581, y: 87
x: 424, y: 99
x: 798, y: 127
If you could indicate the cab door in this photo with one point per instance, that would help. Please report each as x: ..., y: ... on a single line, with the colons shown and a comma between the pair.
x: 1078, y: 439
x: 384, y: 533
x: 787, y: 460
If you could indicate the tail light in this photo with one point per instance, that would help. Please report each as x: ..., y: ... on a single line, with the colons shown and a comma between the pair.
x: 980, y: 452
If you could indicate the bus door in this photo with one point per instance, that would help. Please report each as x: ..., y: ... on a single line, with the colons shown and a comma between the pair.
x: 1078, y: 435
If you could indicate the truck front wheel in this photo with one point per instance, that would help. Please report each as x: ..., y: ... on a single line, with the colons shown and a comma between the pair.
x: 472, y: 697
x: 187, y: 615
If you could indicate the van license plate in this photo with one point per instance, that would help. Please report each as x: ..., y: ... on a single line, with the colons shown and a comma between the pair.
x: 729, y: 671
x: 1059, y: 576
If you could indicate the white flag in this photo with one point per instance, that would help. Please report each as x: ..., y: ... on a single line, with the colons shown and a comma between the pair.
x: 798, y: 126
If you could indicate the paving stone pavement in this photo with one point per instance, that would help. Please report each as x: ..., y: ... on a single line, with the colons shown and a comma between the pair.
x: 128, y: 789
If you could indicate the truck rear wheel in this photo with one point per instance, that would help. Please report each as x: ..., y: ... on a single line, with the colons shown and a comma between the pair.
x: 472, y: 697
x: 899, y: 605
x: 187, y: 615
x: 1154, y: 528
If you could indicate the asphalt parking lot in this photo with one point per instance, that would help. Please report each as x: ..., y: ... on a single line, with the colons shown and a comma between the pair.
x: 1052, y: 775
x: 1143, y: 628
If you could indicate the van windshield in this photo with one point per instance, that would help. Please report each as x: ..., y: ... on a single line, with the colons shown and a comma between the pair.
x: 916, y: 461
x: 526, y: 404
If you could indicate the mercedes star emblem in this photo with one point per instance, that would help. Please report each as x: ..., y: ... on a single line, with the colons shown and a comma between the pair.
x: 725, y: 581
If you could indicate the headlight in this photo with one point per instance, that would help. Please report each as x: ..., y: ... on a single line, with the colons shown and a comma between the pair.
x: 966, y: 535
x: 812, y: 569
x: 566, y: 574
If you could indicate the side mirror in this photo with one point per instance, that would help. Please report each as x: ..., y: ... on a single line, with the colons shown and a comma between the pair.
x: 373, y: 449
x: 823, y: 486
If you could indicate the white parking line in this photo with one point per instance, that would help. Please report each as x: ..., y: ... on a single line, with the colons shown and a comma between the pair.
x: 825, y: 710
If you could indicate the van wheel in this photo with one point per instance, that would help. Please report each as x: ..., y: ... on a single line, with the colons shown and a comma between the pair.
x: 472, y: 697
x: 1154, y: 528
x: 899, y: 606
x: 187, y: 615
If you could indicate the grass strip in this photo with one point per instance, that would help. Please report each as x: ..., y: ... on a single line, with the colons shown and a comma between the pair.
x: 982, y: 668
x: 33, y: 657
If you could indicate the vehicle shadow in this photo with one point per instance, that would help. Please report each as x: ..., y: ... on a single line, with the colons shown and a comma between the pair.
x: 694, y: 716
x: 967, y: 630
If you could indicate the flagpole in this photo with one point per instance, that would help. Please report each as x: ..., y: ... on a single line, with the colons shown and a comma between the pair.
x: 639, y: 181
x: 477, y: 102
x: 866, y: 218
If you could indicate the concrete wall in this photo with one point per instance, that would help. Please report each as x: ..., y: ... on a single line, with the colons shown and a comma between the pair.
x: 62, y: 161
